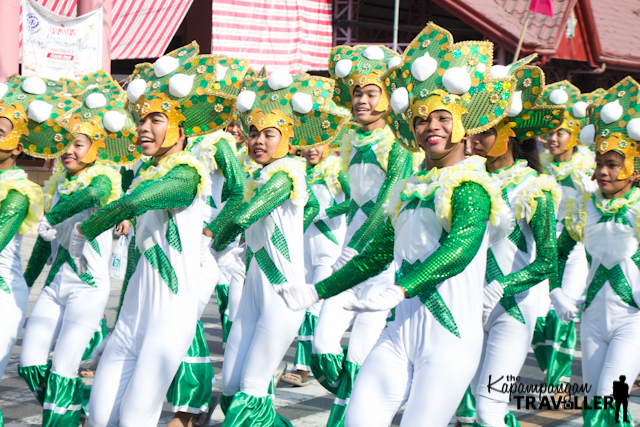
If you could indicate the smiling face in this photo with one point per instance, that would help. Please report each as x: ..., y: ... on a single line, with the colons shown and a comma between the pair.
x: 5, y: 129
x: 151, y: 132
x: 434, y: 134
x: 608, y: 167
x: 236, y: 131
x: 72, y: 158
x: 263, y: 144
x: 557, y: 141
x: 313, y: 155
x: 363, y: 104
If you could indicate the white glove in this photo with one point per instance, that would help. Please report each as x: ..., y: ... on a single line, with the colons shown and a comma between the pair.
x: 46, y: 230
x: 385, y: 300
x: 345, y: 257
x: 297, y: 297
x: 493, y: 293
x: 76, y: 245
x: 230, y: 263
x: 97, y: 352
x: 566, y: 307
x: 322, y: 215
x: 206, y: 254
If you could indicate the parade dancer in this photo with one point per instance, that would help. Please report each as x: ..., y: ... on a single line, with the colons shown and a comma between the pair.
x: 21, y: 204
x: 522, y: 252
x: 571, y: 164
x: 606, y: 222
x: 157, y: 321
x: 72, y: 302
x: 275, y: 112
x: 436, y: 238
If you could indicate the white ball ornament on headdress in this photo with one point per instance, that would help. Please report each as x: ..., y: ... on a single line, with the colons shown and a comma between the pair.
x: 456, y: 80
x: 113, y: 121
x: 301, y: 103
x: 587, y: 134
x: 394, y: 61
x: 34, y: 85
x: 558, y: 96
x: 579, y: 109
x: 423, y: 67
x: 95, y: 100
x: 343, y: 68
x: 135, y: 89
x: 92, y: 86
x: 633, y: 129
x: 165, y: 65
x: 39, y: 111
x: 499, y: 71
x: 611, y: 112
x: 516, y: 104
x: 220, y: 72
x: 279, y: 79
x: 373, y: 53
x: 3, y: 89
x: 481, y: 67
x: 399, y: 100
x: 180, y: 85
x: 244, y: 101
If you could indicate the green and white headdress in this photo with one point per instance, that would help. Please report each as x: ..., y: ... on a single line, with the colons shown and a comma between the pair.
x: 88, y: 81
x: 436, y: 74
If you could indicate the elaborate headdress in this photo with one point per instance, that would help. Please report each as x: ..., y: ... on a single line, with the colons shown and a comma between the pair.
x: 32, y: 104
x: 88, y: 81
x: 526, y: 118
x: 436, y: 74
x: 105, y: 119
x: 614, y: 124
x: 353, y: 66
x: 181, y: 86
x: 298, y: 106
x: 260, y: 74
x: 576, y: 103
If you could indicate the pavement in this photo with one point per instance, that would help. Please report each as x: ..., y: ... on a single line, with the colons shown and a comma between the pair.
x: 303, y: 406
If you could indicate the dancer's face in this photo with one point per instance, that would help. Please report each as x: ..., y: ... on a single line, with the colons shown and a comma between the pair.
x: 236, y: 131
x: 5, y: 129
x: 483, y: 141
x: 434, y: 134
x: 363, y: 104
x: 313, y: 155
x: 151, y: 132
x: 557, y: 141
x: 72, y: 158
x: 263, y: 144
x: 608, y: 167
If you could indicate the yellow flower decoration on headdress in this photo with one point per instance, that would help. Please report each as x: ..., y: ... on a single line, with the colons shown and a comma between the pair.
x: 18, y: 118
x: 276, y: 119
x: 162, y: 104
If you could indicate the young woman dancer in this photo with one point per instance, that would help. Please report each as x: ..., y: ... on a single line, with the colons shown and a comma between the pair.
x: 72, y: 303
x: 275, y: 113
x: 21, y: 204
x: 436, y: 237
x: 170, y: 98
x: 524, y: 256
x: 610, y: 323
x: 571, y: 164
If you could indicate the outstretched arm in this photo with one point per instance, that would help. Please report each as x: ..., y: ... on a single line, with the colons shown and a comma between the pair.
x: 13, y: 211
x: 176, y: 189
x: 341, y: 208
x: 234, y: 183
x: 38, y: 259
x: 89, y: 197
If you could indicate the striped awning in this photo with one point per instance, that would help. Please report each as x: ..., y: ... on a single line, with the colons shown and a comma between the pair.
x: 139, y: 28
x: 293, y: 35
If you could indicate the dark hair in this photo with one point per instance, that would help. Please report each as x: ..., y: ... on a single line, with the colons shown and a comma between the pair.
x: 526, y: 150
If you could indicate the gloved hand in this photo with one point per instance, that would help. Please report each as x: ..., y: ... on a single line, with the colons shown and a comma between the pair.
x: 76, y: 245
x: 230, y: 263
x: 346, y: 255
x: 297, y: 297
x: 206, y: 253
x: 97, y: 352
x: 493, y: 293
x: 385, y: 300
x: 566, y: 307
x: 46, y: 230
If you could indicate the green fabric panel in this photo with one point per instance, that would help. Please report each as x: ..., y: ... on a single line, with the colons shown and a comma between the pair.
x: 618, y: 283
x: 222, y: 297
x: 133, y: 256
x: 567, y: 182
x: 173, y: 236
x: 249, y: 256
x: 326, y: 231
x: 492, y: 273
x: 94, y: 245
x: 305, y: 347
x: 247, y: 411
x: 38, y: 259
x: 353, y: 209
x: 62, y: 257
x: 96, y: 339
x: 618, y: 218
x: 311, y: 208
x: 278, y: 240
x: 162, y: 265
x: 467, y: 408
x: 210, y: 202
x: 233, y: 187
x: 62, y: 394
x: 518, y: 239
x: 269, y: 269
x: 565, y: 245
x: 565, y: 336
x: 538, y: 343
x: 36, y: 379
x: 365, y: 154
x: 3, y: 286
x: 13, y: 211
x: 338, y: 410
x: 436, y: 305
x: 327, y: 369
x: 225, y: 402
x: 367, y: 208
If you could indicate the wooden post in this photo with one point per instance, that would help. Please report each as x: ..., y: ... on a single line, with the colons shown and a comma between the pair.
x: 524, y: 30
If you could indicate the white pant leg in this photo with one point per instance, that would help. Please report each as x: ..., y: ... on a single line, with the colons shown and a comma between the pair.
x: 13, y: 308
x: 321, y: 272
x: 235, y: 295
x: 42, y: 329
x: 333, y: 322
x: 208, y: 279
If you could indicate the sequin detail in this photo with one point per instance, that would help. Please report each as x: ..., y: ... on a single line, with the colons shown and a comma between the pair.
x: 173, y: 236
x: 162, y: 265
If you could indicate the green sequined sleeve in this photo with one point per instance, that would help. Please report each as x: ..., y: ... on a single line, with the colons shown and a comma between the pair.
x: 375, y: 258
x: 543, y: 226
x: 566, y: 243
x: 176, y: 189
x: 13, y: 211
x: 470, y: 206
x: 311, y: 209
x: 88, y: 197
x: 341, y: 208
x: 400, y: 166
x: 126, y: 176
x: 39, y: 256
x: 234, y: 180
x: 275, y: 191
